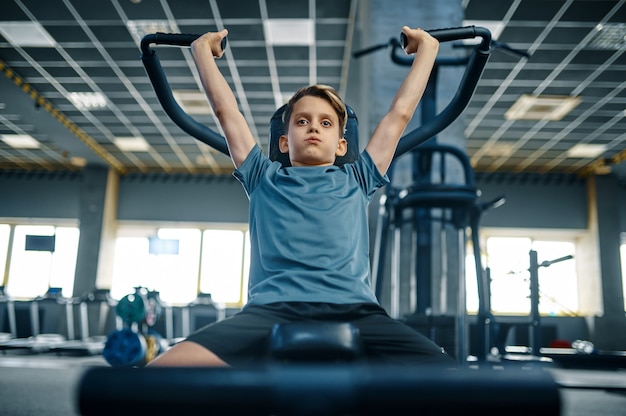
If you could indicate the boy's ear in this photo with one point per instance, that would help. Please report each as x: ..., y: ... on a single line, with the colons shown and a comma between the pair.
x: 283, y: 144
x: 342, y: 147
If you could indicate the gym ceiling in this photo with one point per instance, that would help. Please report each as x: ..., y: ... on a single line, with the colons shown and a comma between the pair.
x: 562, y: 110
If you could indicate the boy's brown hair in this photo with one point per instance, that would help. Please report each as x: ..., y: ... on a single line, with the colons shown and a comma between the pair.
x: 322, y: 91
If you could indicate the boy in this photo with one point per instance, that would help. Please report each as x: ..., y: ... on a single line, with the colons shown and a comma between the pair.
x: 308, y: 222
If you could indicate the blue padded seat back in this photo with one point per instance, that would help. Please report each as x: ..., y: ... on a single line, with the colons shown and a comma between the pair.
x: 277, y: 129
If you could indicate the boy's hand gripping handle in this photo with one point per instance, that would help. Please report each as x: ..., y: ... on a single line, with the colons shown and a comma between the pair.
x: 175, y: 39
x: 454, y: 33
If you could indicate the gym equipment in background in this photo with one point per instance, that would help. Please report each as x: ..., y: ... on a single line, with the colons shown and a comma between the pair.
x: 95, y: 319
x: 136, y: 343
x: 580, y: 354
x: 40, y: 324
x: 442, y: 193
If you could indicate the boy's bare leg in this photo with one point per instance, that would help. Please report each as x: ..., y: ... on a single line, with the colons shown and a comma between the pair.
x: 188, y: 354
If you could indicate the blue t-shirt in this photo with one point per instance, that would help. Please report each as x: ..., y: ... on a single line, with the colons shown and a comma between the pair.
x: 308, y: 230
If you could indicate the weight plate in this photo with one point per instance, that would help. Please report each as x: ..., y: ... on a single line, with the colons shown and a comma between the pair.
x: 125, y: 348
x: 132, y: 309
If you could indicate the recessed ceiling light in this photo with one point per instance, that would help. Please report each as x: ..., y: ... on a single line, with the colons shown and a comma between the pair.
x: 88, y: 100
x: 79, y: 162
x: 500, y: 149
x: 131, y: 144
x: 609, y: 36
x: 20, y: 141
x: 140, y: 28
x: 542, y: 107
x: 289, y: 31
x: 586, y: 150
x: 26, y: 34
x: 192, y: 101
x: 495, y: 27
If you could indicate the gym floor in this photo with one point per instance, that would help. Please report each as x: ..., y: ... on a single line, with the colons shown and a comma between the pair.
x: 46, y: 384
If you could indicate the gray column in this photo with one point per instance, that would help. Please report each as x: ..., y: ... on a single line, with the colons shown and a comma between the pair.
x: 91, y: 213
x: 610, y: 328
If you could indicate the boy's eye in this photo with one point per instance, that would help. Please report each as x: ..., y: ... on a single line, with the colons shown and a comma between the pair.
x: 301, y: 121
x: 326, y: 123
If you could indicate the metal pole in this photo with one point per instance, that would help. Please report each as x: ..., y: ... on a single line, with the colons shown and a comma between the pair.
x: 534, y: 304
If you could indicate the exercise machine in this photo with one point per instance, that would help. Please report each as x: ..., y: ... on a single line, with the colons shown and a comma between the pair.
x: 40, y: 324
x: 316, y: 390
x: 443, y: 194
x: 136, y: 343
x: 300, y: 389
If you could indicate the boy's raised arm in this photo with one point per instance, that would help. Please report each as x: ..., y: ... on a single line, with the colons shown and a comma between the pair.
x: 238, y: 135
x: 384, y: 140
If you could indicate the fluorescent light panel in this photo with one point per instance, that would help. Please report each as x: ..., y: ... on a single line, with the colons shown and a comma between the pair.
x: 609, y: 36
x: 26, y: 34
x: 542, y: 107
x: 139, y: 28
x: 193, y: 101
x: 289, y: 32
x: 131, y: 144
x: 500, y: 149
x: 78, y: 161
x: 88, y: 100
x: 20, y: 141
x: 586, y: 150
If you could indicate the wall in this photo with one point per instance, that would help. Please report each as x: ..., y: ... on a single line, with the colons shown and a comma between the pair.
x: 141, y: 197
x: 535, y: 201
x: 39, y: 194
x: 182, y: 198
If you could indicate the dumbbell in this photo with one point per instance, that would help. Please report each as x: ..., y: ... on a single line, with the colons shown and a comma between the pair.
x: 128, y: 348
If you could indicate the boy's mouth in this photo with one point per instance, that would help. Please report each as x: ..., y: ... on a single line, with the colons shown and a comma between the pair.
x: 313, y: 140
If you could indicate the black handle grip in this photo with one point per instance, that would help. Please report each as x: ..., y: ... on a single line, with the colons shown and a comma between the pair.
x: 175, y: 39
x: 473, y: 71
x: 164, y: 93
x: 453, y: 33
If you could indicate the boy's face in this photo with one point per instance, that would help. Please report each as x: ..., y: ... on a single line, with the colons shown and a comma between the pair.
x: 314, y: 134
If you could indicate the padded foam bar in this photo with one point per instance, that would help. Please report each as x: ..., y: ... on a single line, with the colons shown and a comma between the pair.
x: 458, y: 33
x: 175, y: 39
x: 174, y: 111
x: 316, y: 390
x: 315, y: 342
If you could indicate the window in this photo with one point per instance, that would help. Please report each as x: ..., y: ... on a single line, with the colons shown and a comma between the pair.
x: 33, y: 271
x: 179, y: 263
x: 508, y: 259
x: 174, y: 274
x: 225, y: 259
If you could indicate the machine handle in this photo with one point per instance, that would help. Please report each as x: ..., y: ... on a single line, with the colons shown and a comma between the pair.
x: 163, y: 89
x: 473, y: 71
x: 454, y: 33
x: 174, y: 39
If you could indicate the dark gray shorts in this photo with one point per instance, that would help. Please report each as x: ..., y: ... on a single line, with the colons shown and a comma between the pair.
x: 242, y: 339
